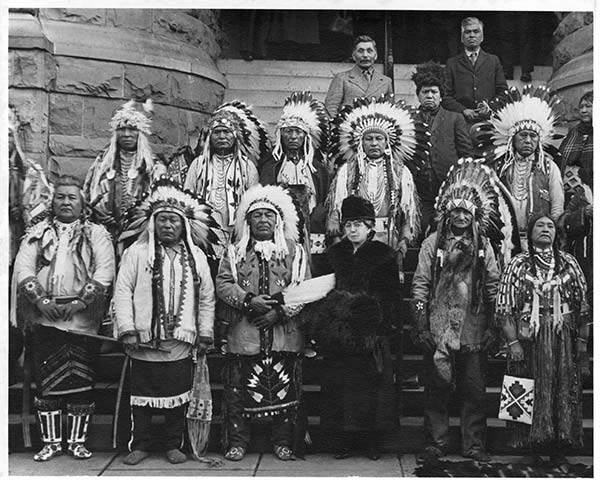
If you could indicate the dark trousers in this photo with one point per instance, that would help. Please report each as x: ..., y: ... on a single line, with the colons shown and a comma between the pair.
x: 238, y: 426
x: 469, y: 374
x: 141, y: 431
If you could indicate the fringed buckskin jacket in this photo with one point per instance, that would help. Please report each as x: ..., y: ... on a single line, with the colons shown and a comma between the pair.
x: 238, y: 280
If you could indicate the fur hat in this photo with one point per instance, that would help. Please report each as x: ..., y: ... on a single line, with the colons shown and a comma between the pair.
x: 128, y: 116
x: 430, y: 74
x: 356, y: 208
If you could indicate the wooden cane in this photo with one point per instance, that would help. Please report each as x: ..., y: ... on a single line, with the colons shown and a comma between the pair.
x: 26, y: 393
x: 118, y: 403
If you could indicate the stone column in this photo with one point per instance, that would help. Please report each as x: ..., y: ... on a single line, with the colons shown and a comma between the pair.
x: 71, y: 68
x: 573, y: 60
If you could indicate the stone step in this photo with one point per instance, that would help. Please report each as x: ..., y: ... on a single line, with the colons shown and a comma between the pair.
x: 410, y: 401
x: 108, y: 367
x: 264, y: 84
x: 407, y: 439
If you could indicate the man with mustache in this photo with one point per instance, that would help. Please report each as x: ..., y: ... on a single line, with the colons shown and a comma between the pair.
x: 62, y: 274
x: 449, y: 137
x: 360, y: 81
x: 453, y: 291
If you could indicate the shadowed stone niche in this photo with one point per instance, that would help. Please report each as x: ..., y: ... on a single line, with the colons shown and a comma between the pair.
x: 70, y: 68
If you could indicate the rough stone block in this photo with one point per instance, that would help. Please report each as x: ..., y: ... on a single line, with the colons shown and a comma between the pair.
x: 573, y: 45
x: 193, y: 92
x: 192, y: 123
x: 65, y: 114
x: 131, y: 18
x: 163, y: 150
x: 572, y: 22
x: 177, y: 24
x: 95, y: 16
x: 89, y: 77
x: 143, y: 82
x: 165, y: 125
x: 32, y: 107
x: 97, y: 113
x: 31, y: 68
x: 73, y: 166
x: 76, y: 146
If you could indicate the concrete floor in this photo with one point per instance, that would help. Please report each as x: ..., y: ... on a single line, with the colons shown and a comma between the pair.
x: 254, y: 464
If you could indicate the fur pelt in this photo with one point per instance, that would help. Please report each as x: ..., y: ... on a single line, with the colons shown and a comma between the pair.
x: 449, y: 306
x: 344, y: 322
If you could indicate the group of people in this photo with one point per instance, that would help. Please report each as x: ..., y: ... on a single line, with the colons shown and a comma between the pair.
x: 258, y: 247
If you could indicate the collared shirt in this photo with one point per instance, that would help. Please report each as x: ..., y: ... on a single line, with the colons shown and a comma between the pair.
x: 368, y: 73
x: 469, y: 53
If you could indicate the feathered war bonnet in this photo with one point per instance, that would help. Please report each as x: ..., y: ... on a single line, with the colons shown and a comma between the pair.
x: 406, y: 136
x: 272, y: 198
x: 166, y: 195
x: 302, y: 111
x: 536, y: 109
x: 407, y: 141
x: 252, y: 139
x: 474, y: 186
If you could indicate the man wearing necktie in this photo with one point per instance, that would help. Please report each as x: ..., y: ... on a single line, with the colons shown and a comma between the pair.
x: 473, y: 76
x: 360, y: 81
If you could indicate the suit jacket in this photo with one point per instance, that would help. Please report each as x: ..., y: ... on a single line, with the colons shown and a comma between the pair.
x: 468, y: 84
x: 348, y: 85
x: 449, y: 141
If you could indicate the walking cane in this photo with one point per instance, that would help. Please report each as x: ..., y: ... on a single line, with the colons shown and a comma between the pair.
x: 26, y: 393
x: 118, y: 402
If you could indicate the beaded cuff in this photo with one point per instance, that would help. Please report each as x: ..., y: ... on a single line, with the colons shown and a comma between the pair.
x: 49, y: 404
x: 81, y: 409
x: 32, y: 289
x: 92, y: 292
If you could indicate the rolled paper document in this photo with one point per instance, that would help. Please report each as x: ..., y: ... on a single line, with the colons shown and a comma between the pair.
x: 309, y: 290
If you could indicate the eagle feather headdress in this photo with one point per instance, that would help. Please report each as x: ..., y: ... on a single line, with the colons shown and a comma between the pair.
x: 407, y: 137
x: 166, y: 195
x: 301, y: 110
x: 475, y: 187
x: 273, y: 198
x: 535, y: 109
x: 251, y: 135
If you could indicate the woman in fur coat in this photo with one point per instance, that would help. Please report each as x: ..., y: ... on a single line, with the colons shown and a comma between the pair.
x: 352, y: 328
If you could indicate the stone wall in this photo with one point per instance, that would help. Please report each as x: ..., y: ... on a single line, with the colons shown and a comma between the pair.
x: 69, y: 69
x: 573, y: 60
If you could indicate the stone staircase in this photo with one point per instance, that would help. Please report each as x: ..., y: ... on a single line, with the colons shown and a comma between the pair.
x: 264, y: 84
x: 408, y: 364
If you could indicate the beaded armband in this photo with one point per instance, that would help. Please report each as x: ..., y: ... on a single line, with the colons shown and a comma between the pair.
x: 92, y: 292
x: 246, y: 303
x: 32, y: 289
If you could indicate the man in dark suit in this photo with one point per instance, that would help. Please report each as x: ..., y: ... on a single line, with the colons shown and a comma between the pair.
x: 473, y: 75
x: 360, y: 81
x: 449, y: 138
